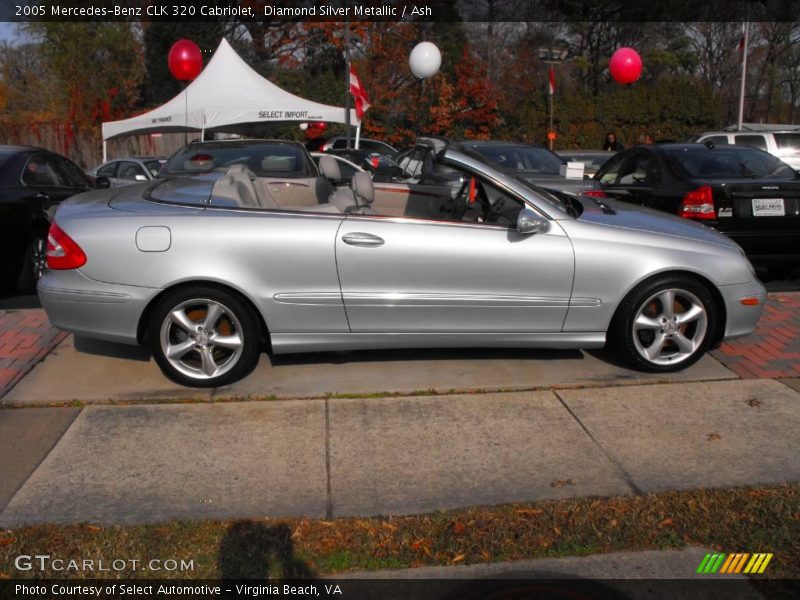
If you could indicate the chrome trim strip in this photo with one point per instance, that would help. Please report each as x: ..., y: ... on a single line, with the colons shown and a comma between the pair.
x: 288, y: 343
x: 585, y: 302
x: 309, y: 298
x: 469, y: 300
x: 65, y: 295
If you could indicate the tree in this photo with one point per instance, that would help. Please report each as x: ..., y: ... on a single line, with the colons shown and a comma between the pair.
x: 81, y: 96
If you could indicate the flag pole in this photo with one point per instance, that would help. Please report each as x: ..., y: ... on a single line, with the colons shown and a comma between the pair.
x: 347, y: 76
x: 744, y: 76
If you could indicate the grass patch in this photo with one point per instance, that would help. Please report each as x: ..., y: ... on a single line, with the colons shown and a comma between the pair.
x: 748, y: 519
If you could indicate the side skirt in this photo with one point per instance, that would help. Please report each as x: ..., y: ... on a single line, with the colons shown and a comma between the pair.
x: 288, y: 343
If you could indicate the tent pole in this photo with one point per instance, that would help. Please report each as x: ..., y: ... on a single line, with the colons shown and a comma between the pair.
x: 105, y: 151
x: 358, y: 135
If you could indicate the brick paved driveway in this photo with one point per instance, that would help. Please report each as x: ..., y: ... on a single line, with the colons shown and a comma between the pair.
x: 26, y: 337
x: 773, y: 350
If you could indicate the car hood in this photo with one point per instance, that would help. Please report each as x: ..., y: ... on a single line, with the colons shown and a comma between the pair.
x: 614, y: 213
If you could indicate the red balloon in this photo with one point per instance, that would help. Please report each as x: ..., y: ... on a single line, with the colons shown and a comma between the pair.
x: 625, y: 65
x: 185, y: 60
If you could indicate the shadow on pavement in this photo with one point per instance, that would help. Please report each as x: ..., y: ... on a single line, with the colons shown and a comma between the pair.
x: 342, y: 357
x: 111, y: 349
x: 252, y: 550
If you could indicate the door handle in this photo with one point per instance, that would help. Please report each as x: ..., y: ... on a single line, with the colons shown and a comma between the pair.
x: 42, y: 196
x: 358, y: 238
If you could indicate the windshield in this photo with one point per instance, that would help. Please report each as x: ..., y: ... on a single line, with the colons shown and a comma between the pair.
x: 729, y: 162
x: 264, y: 159
x: 526, y: 159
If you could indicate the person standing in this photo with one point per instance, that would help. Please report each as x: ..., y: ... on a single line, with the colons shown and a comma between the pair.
x: 612, y: 144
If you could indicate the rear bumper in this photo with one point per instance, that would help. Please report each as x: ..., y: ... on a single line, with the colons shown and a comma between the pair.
x: 93, y: 309
x: 742, y: 319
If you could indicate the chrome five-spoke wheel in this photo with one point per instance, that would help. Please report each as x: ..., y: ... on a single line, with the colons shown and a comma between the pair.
x: 206, y: 339
x: 665, y: 323
x: 670, y: 326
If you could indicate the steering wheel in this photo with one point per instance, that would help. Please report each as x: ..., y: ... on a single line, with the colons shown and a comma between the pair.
x: 495, y: 211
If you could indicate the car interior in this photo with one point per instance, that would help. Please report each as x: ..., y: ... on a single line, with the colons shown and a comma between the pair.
x: 424, y: 190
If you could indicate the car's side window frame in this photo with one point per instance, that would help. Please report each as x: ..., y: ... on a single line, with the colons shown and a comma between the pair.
x: 52, y: 163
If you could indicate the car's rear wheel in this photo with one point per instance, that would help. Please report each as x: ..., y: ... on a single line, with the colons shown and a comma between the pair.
x: 665, y: 324
x: 33, y: 264
x: 204, y: 337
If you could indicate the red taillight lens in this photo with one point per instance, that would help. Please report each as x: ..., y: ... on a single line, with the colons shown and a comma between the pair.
x: 62, y: 251
x: 698, y: 204
x: 594, y: 193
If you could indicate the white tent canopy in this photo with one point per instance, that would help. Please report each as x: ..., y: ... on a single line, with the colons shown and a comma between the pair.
x: 227, y: 93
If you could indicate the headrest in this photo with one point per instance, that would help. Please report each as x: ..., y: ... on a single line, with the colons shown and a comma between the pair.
x: 238, y: 168
x: 278, y: 163
x: 362, y: 186
x: 329, y: 167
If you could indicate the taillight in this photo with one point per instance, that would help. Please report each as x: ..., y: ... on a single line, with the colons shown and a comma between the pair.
x: 594, y: 193
x: 698, y: 204
x: 62, y: 251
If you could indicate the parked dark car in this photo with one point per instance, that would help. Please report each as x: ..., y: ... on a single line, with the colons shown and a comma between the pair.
x: 32, y: 182
x: 744, y: 192
x: 538, y: 165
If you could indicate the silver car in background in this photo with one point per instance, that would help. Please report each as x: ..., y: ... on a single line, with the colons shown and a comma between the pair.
x: 210, y: 269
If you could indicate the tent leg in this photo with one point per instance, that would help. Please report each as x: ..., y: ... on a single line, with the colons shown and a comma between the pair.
x: 105, y: 151
x: 358, y: 135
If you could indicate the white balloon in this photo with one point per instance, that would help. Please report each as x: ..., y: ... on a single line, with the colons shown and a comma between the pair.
x: 303, y: 126
x: 425, y: 60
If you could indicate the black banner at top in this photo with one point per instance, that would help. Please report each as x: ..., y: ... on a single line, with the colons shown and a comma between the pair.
x: 399, y: 10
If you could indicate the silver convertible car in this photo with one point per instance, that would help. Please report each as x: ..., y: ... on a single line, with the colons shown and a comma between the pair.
x: 210, y: 268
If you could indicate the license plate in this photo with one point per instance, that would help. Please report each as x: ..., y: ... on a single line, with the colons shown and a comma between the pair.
x: 768, y: 207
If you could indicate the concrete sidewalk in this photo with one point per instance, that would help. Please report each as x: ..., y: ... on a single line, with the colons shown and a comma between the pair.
x: 401, y: 455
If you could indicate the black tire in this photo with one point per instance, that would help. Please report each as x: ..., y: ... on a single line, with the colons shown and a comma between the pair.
x: 237, y: 320
x: 33, y: 264
x: 633, y: 345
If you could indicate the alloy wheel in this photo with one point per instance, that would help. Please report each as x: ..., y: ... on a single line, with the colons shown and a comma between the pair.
x: 201, y: 338
x: 670, y: 326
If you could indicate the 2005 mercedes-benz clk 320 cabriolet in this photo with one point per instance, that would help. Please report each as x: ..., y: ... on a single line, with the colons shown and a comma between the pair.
x: 212, y: 266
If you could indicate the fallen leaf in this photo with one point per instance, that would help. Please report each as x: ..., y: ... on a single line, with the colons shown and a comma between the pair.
x: 666, y: 522
x: 711, y: 437
x: 459, y: 558
x: 459, y: 528
x: 389, y: 526
x: 486, y: 555
x: 561, y: 483
x: 754, y: 402
x: 613, y: 523
x: 4, y: 575
x: 557, y: 530
x: 94, y: 528
x: 530, y: 512
x: 6, y: 541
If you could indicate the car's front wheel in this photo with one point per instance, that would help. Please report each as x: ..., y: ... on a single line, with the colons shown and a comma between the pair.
x: 665, y: 324
x: 204, y: 337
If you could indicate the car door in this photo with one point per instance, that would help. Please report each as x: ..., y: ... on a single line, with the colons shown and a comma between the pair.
x: 635, y: 178
x: 405, y: 275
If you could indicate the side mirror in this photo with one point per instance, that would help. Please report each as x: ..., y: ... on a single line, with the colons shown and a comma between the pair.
x: 140, y: 177
x: 529, y: 222
x: 102, y: 183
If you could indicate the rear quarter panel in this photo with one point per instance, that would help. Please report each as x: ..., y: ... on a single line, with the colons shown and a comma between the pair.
x: 258, y: 253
